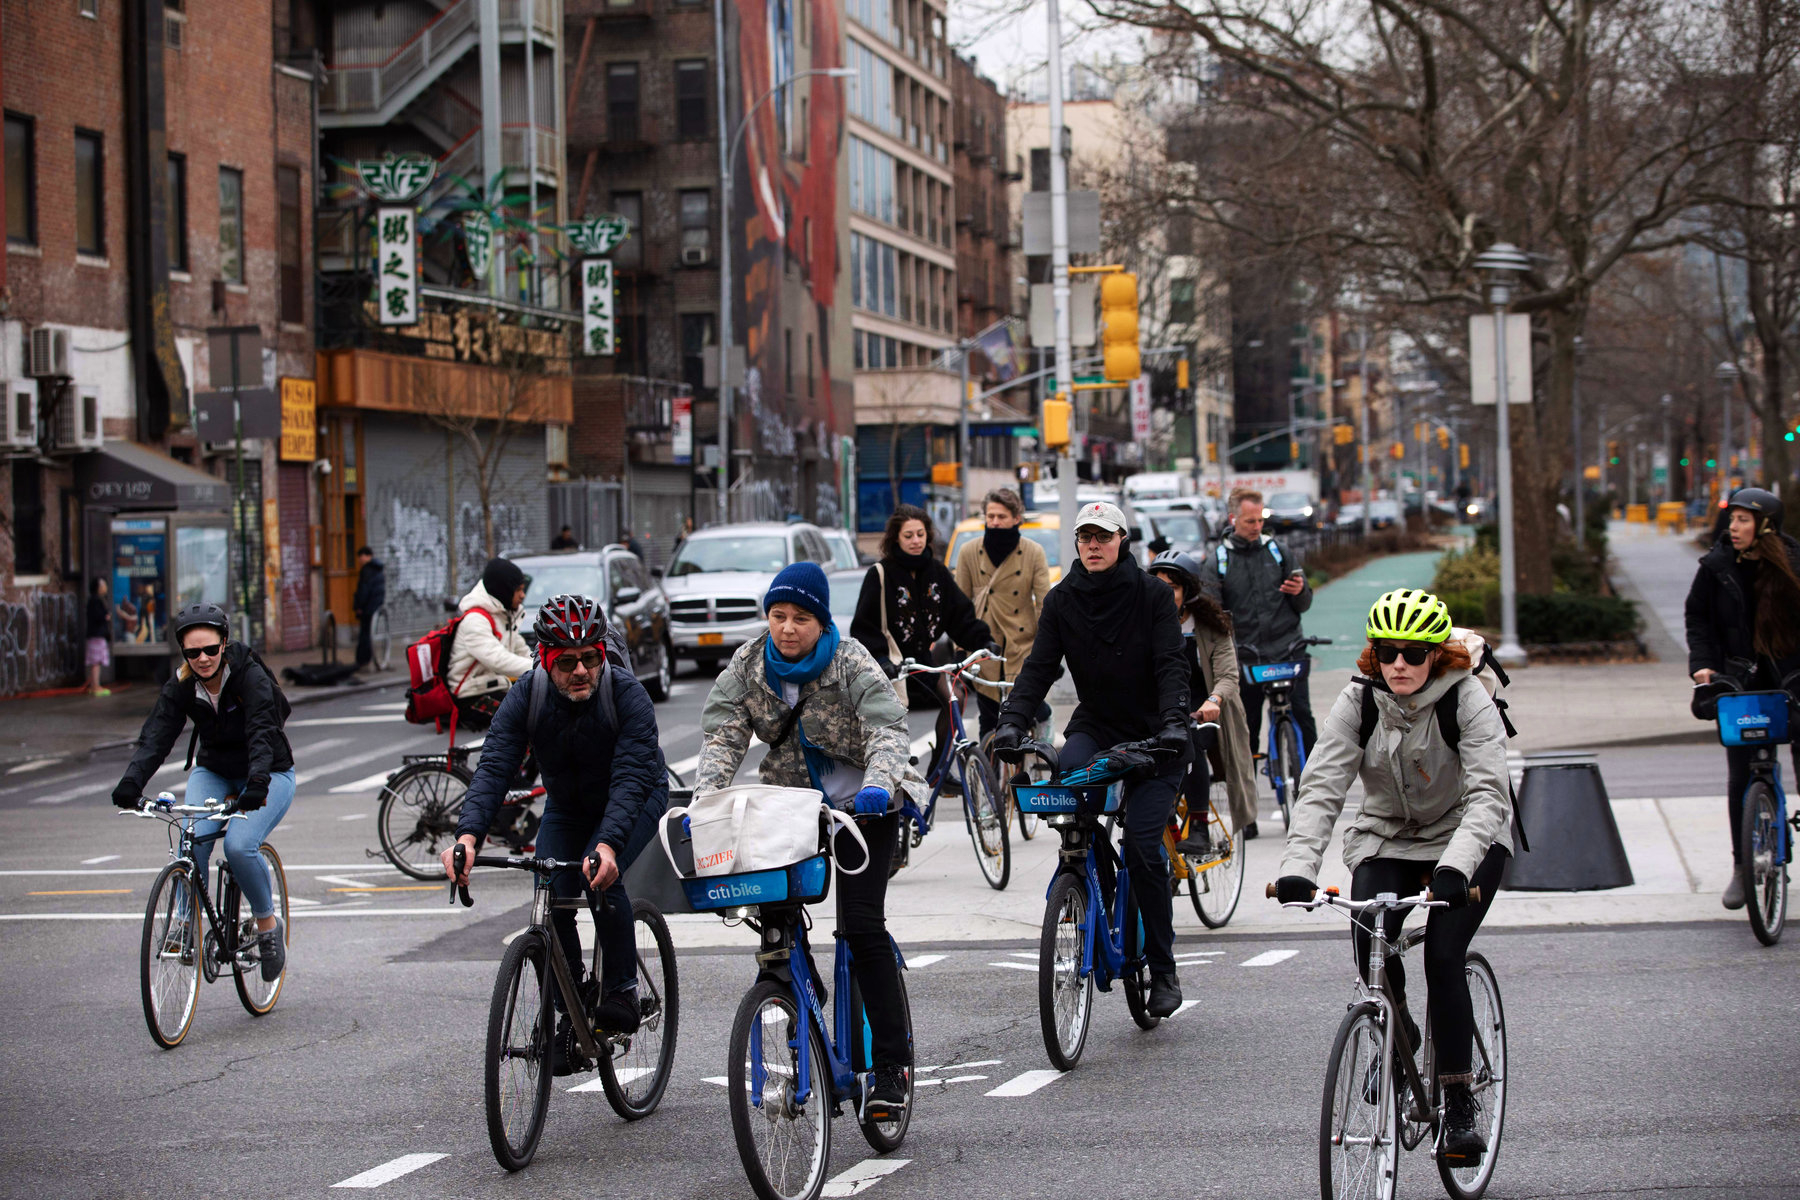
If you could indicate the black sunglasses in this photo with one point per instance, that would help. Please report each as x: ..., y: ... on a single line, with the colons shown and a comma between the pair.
x: 192, y: 652
x: 1415, y: 653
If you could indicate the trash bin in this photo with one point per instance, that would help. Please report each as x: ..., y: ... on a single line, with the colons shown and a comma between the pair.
x: 1575, y: 843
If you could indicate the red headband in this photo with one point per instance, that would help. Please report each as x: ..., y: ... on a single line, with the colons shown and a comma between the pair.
x: 549, y: 654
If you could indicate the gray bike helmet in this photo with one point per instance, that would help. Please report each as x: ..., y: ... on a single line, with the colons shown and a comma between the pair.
x: 1766, y: 505
x: 1181, y: 565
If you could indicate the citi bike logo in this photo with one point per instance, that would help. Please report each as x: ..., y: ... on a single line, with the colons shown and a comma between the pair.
x: 1753, y: 720
x: 728, y: 891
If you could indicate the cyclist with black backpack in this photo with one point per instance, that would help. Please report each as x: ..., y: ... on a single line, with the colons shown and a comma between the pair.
x: 1436, y: 811
x: 237, y: 710
x: 593, y: 730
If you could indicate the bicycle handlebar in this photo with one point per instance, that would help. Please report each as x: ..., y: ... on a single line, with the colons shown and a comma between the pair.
x: 460, y: 861
x: 1330, y: 896
x: 164, y: 807
x: 912, y: 666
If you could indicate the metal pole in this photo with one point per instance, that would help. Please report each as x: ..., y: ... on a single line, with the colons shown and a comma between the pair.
x: 1510, y: 652
x: 1066, y: 504
x: 1367, y: 450
x: 237, y: 433
x: 1725, y: 441
x: 491, y: 165
x: 962, y: 432
x: 1668, y: 487
x: 1575, y: 450
x: 531, y: 158
x: 1600, y: 455
x: 724, y: 324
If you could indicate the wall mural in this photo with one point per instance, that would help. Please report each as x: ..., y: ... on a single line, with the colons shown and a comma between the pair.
x: 40, y: 642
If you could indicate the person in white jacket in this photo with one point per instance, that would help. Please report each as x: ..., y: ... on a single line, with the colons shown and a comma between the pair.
x: 489, y: 652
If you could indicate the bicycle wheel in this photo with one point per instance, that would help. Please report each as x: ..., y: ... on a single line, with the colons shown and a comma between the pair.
x: 635, y: 1077
x: 1216, y: 886
x: 169, y: 960
x: 885, y: 1136
x: 986, y: 821
x: 1359, y: 1136
x: 381, y: 639
x: 784, y: 1146
x: 1287, y: 754
x: 1489, y: 1088
x: 902, y: 845
x: 516, y: 1067
x: 417, y: 817
x: 1003, y: 775
x: 1065, y: 994
x: 246, y: 967
x: 1764, y: 874
x: 1137, y: 973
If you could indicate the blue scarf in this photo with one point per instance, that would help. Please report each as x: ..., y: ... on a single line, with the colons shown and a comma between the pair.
x: 778, y: 671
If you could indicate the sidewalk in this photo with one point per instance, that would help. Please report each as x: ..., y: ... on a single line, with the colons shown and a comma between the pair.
x: 36, y: 731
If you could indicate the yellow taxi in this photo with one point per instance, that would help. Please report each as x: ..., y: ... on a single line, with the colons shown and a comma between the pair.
x: 1042, y: 528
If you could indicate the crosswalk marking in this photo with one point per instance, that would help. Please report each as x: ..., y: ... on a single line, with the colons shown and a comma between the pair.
x: 1185, y: 1005
x: 1269, y: 958
x: 387, y: 1172
x: 1015, y: 966
x: 622, y: 1074
x: 923, y: 960
x: 368, y: 783
x: 1024, y: 1085
x: 863, y: 1176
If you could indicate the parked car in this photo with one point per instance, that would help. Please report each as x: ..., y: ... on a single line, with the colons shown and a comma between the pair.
x: 717, y: 579
x: 844, y: 554
x: 1171, y: 530
x: 629, y: 593
x: 1291, y: 510
x: 1383, y: 514
x: 846, y: 589
x: 1042, y: 528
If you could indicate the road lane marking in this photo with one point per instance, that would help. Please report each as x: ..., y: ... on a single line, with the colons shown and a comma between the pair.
x: 398, y: 707
x: 1024, y: 1085
x: 86, y: 892
x: 1185, y: 1005
x: 333, y: 910
x: 88, y: 862
x: 863, y: 1176
x: 371, y: 719
x: 387, y: 1172
x: 368, y: 783
x: 344, y: 764
x: 980, y: 1062
x: 1015, y: 966
x: 1269, y: 958
x: 622, y: 1074
x: 1031, y: 954
x: 353, y: 817
x: 413, y: 887
x: 685, y: 765
x: 923, y: 960
x: 954, y: 1079
x: 718, y: 1079
x: 300, y: 752
x: 36, y: 764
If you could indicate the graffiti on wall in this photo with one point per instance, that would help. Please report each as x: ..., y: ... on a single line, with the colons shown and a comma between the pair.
x: 40, y: 642
x: 416, y: 551
x: 512, y: 533
x: 826, y: 511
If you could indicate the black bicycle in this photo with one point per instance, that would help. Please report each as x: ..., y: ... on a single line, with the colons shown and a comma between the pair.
x: 634, y: 1068
x: 185, y: 937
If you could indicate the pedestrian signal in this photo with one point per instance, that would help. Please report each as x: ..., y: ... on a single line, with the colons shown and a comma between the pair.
x: 1463, y: 458
x: 1056, y: 422
x: 1181, y: 373
x: 1443, y: 439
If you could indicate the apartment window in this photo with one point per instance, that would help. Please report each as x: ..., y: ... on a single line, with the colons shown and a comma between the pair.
x: 27, y: 517
x: 1040, y: 169
x: 90, y: 199
x: 1181, y: 301
x: 88, y: 8
x: 622, y: 102
x: 696, y: 335
x: 1181, y: 233
x: 696, y: 227
x: 800, y: 142
x: 287, y: 245
x: 690, y: 99
x: 175, y: 212
x: 629, y: 254
x: 231, y: 225
x: 810, y: 377
x: 21, y: 180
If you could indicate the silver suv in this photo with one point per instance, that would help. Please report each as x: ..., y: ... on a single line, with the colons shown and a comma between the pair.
x: 717, y: 580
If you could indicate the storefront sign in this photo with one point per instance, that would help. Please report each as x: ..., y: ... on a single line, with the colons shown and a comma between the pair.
x: 299, y: 420
x: 597, y: 306
x: 1140, y: 409
x: 396, y: 274
x: 478, y: 240
x: 598, y: 235
x: 682, y: 425
x: 397, y: 179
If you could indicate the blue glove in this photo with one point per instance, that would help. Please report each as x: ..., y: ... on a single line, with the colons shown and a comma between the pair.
x: 872, y: 802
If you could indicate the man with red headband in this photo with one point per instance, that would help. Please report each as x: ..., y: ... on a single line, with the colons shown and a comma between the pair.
x: 605, y: 787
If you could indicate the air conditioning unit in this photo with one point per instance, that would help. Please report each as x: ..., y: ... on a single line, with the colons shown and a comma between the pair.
x: 49, y: 353
x: 693, y: 256
x: 78, y: 420
x: 21, y: 414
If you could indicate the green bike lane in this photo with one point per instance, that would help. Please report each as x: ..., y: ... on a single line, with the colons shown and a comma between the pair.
x: 1340, y: 609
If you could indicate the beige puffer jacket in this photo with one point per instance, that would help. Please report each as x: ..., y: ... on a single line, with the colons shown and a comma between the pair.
x: 480, y: 662
x: 1422, y: 801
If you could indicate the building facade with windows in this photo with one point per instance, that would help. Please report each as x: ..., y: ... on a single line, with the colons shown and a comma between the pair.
x: 158, y: 177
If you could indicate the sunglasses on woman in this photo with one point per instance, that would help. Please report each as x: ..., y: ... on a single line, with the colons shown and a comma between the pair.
x: 193, y: 652
x: 1415, y: 653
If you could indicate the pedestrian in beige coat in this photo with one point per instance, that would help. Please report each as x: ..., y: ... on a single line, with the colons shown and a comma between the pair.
x: 1007, y: 576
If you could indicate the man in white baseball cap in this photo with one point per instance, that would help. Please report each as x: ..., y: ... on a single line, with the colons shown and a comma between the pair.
x: 1117, y: 630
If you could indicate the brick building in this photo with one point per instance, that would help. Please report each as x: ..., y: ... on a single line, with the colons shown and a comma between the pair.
x: 158, y: 182
x: 984, y: 238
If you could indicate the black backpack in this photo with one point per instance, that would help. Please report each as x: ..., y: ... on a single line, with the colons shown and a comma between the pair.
x: 282, y: 703
x: 540, y: 685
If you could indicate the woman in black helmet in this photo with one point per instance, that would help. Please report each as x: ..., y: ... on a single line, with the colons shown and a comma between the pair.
x: 237, y: 711
x: 1743, y: 621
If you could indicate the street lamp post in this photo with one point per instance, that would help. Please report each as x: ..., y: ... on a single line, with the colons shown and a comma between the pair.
x: 727, y: 155
x: 1503, y: 263
x: 1575, y: 450
x: 1668, y: 487
x: 1727, y: 374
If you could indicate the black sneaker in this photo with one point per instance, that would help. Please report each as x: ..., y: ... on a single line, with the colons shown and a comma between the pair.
x: 886, y: 1098
x: 1165, y: 994
x: 1462, y: 1146
x: 1250, y: 833
x: 618, y: 1013
x: 271, y: 947
x: 1197, y: 844
x: 566, y: 1057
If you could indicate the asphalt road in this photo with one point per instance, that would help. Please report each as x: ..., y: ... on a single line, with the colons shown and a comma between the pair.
x: 1645, y: 1060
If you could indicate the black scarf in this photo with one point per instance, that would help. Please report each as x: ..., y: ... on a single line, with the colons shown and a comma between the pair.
x: 1000, y: 543
x: 1109, y: 597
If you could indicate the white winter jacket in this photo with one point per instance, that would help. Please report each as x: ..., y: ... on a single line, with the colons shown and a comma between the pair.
x: 1421, y: 800
x: 480, y: 661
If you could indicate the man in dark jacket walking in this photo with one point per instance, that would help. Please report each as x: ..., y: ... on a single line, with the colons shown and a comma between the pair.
x: 1118, y: 631
x: 605, y: 788
x: 1265, y: 592
x: 371, y: 594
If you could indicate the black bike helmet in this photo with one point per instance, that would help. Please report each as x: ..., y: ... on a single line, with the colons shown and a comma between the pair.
x: 1181, y: 565
x: 566, y: 622
x: 196, y: 616
x: 1766, y: 505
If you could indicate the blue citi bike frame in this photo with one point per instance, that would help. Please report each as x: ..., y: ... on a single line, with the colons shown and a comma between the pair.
x: 1761, y: 723
x: 961, y: 761
x: 1283, y: 764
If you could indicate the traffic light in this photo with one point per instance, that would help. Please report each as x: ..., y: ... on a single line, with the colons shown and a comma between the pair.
x: 1056, y: 422
x: 1343, y: 435
x: 945, y: 474
x: 1443, y: 439
x: 1711, y: 463
x: 1212, y: 452
x: 1119, y: 326
x: 1181, y: 373
x: 1684, y: 462
x: 1397, y: 450
x: 1463, y: 458
x: 1293, y: 451
x: 1418, y: 431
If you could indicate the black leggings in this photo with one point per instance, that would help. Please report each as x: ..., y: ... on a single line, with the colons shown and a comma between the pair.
x: 1448, y: 933
x: 861, y: 901
x: 1198, y: 784
x: 1737, y: 778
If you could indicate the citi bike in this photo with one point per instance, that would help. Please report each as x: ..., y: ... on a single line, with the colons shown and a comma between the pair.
x: 1759, y: 723
x: 1285, y: 757
x: 961, y: 765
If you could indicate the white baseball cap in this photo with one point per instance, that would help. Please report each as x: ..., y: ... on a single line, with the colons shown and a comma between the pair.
x: 1101, y: 515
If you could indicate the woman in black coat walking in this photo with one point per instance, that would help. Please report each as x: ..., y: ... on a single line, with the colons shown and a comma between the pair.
x: 1743, y: 621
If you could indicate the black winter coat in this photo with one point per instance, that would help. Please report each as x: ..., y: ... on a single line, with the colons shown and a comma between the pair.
x: 615, y: 775
x: 920, y: 607
x: 371, y: 589
x: 1264, y: 622
x: 241, y: 740
x: 1129, y: 688
x: 1720, y: 612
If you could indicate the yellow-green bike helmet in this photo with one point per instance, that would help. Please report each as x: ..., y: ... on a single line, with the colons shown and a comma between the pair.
x: 1409, y: 615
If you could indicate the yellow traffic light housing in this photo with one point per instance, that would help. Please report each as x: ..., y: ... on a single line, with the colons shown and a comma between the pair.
x: 1342, y: 435
x: 946, y: 474
x: 1397, y: 450
x: 1443, y: 439
x: 1463, y: 458
x: 1056, y: 422
x: 1181, y: 373
x: 1119, y: 326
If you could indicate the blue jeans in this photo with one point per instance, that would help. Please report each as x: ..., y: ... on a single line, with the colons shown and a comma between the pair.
x: 571, y: 836
x: 243, y: 839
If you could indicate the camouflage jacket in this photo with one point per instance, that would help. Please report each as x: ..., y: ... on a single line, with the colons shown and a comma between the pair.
x: 853, y: 716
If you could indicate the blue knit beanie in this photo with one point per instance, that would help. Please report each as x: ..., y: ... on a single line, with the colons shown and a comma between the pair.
x: 804, y: 584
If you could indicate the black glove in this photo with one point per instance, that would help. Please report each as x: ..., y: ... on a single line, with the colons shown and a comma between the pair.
x: 1295, y: 889
x: 252, y: 797
x: 126, y: 795
x: 1174, y: 736
x: 996, y: 649
x: 1451, y: 886
x: 890, y: 668
x: 1006, y: 740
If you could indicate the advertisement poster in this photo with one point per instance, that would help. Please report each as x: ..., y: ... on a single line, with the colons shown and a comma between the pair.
x: 140, y: 560
x: 683, y: 429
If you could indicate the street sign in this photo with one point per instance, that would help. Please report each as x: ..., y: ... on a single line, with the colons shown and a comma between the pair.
x: 597, y: 306
x: 396, y: 270
x: 229, y: 344
x: 212, y: 414
x: 1482, y: 379
x: 1140, y: 409
x: 681, y: 425
x: 478, y: 240
x: 299, y: 420
x: 1084, y: 223
x: 1082, y: 293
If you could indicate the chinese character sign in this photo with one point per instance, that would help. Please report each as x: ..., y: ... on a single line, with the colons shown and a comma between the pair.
x: 478, y: 236
x: 598, y: 235
x: 397, y: 179
x: 597, y: 306
x: 396, y: 277
x: 1140, y: 409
